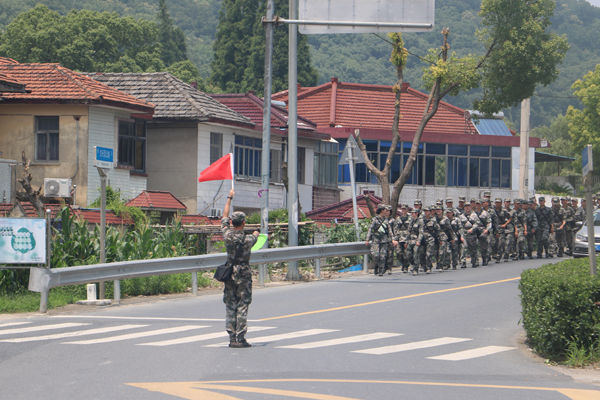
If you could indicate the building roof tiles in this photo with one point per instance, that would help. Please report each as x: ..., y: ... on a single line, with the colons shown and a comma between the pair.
x: 52, y: 83
x: 155, y: 200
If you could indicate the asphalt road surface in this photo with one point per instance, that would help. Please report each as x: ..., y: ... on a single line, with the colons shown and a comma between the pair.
x: 450, y: 335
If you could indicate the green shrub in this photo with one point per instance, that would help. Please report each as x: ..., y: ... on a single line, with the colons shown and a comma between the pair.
x: 558, y: 311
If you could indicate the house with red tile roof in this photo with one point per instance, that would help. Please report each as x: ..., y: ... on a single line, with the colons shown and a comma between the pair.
x: 190, y: 130
x: 92, y: 215
x: 58, y: 119
x: 461, y: 152
x: 160, y: 201
x: 314, y: 189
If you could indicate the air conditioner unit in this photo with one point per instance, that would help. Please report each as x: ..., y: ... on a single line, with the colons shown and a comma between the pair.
x: 215, y: 212
x: 54, y: 187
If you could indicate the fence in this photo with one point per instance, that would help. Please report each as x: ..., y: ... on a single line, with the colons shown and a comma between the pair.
x: 43, y: 279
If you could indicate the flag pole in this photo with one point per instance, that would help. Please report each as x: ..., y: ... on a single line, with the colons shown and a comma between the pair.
x: 232, y: 171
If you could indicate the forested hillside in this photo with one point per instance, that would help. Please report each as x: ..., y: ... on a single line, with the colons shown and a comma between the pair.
x: 364, y: 58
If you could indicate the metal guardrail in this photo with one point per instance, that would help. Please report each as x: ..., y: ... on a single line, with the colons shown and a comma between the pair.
x: 43, y: 279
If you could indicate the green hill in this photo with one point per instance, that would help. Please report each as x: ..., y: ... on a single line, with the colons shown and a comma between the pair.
x: 364, y: 58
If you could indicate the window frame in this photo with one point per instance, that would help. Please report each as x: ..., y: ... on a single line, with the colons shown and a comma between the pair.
x: 326, y: 157
x: 49, y: 135
x: 247, y: 157
x: 132, y: 147
x: 216, y: 144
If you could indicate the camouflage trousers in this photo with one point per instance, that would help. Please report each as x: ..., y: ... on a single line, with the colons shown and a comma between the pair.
x: 484, y: 247
x: 237, y: 296
x: 509, y: 243
x: 542, y: 240
x: 402, y: 255
x: 431, y: 253
x: 381, y: 254
x: 444, y: 255
x: 529, y: 239
x: 569, y: 239
x: 521, y: 242
x: 493, y: 245
x: 471, y: 247
x: 413, y: 254
x: 558, y: 244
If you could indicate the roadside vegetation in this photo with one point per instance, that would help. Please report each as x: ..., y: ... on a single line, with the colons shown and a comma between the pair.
x: 561, y: 312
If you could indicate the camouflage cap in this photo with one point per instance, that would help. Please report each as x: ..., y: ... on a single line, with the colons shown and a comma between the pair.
x: 574, y: 200
x: 477, y: 201
x: 473, y: 199
x: 487, y: 193
x: 238, y: 217
x: 462, y: 198
x: 564, y: 199
x: 555, y: 200
x: 498, y: 200
x: 426, y: 209
x: 532, y: 198
x: 542, y: 198
x: 529, y: 202
x: 507, y: 200
x: 439, y: 203
x: 485, y: 200
x: 450, y: 210
x: 517, y: 201
x: 404, y: 206
x: 418, y: 202
x: 381, y: 207
x: 388, y: 207
x: 449, y: 200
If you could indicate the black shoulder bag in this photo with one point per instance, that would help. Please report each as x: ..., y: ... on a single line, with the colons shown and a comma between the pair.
x: 225, y: 271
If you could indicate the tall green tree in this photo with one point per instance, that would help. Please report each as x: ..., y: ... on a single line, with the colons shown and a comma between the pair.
x: 519, y: 55
x: 239, y: 50
x: 83, y: 40
x: 584, y: 125
x: 171, y: 37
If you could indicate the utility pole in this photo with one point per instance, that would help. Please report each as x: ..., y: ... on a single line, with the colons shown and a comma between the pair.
x: 524, y: 157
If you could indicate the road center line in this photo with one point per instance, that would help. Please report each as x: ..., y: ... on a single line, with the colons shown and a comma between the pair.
x: 387, y: 300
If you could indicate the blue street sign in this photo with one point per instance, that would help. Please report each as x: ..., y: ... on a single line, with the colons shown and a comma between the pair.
x: 104, y: 157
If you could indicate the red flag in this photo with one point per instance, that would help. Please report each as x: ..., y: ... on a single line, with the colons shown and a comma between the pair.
x: 219, y: 170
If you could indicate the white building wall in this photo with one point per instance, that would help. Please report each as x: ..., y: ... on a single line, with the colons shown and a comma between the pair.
x: 103, y: 132
x: 305, y: 191
x: 246, y: 190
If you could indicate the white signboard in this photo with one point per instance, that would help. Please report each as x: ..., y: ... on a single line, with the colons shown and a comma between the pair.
x: 416, y: 15
x: 586, y: 160
x: 22, y: 241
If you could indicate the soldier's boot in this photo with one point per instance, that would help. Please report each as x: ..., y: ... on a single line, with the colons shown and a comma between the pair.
x: 232, y: 340
x: 549, y: 255
x: 415, y: 271
x: 474, y: 265
x: 521, y: 256
x: 560, y: 253
x: 241, y: 342
x: 484, y: 263
x: 530, y: 256
x: 464, y: 264
x: 539, y: 254
x: 389, y: 271
x: 498, y: 259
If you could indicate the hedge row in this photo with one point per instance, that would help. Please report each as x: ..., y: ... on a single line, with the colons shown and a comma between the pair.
x: 558, y: 307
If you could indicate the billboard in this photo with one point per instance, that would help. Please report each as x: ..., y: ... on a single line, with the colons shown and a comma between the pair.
x: 22, y: 241
x: 416, y: 15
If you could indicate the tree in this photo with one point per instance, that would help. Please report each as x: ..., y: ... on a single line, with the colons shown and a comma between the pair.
x: 519, y: 55
x: 584, y: 125
x: 30, y: 194
x: 557, y: 134
x: 171, y: 37
x: 239, y: 50
x: 83, y: 40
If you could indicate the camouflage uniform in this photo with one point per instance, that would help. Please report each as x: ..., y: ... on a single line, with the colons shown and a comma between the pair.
x: 380, y: 235
x: 557, y: 241
x: 483, y: 237
x: 431, y: 234
x: 520, y: 224
x: 413, y: 252
x: 532, y: 227
x: 456, y: 246
x: 237, y: 294
x: 502, y: 216
x: 444, y: 251
x: 509, y: 231
x: 400, y: 227
x: 542, y: 234
x: 472, y: 223
x: 569, y: 226
x: 492, y: 237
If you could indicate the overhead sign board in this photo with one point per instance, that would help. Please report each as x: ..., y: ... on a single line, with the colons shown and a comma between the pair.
x: 22, y: 241
x: 586, y: 160
x: 104, y: 157
x: 370, y: 16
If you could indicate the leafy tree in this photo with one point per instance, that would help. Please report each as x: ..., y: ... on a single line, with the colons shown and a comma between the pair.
x: 239, y: 49
x: 584, y: 125
x: 171, y: 37
x: 83, y: 40
x: 519, y: 54
x: 558, y: 135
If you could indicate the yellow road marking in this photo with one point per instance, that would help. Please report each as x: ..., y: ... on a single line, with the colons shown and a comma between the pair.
x: 202, y: 390
x: 387, y: 300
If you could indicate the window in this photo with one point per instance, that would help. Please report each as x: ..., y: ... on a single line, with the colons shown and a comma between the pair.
x: 216, y: 146
x: 46, y: 137
x: 248, y: 157
x: 132, y: 144
x: 301, y: 164
x: 326, y: 164
x: 275, y: 166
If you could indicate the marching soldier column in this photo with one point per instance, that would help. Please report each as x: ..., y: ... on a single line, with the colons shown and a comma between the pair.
x: 420, y: 237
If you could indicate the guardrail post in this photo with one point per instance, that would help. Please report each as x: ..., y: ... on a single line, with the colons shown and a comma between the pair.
x: 44, y: 300
x: 195, y: 283
x: 117, y: 290
x: 366, y: 263
x: 318, y: 269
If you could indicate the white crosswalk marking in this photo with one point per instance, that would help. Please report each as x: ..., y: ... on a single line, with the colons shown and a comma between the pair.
x: 412, y: 346
x: 282, y: 336
x: 40, y: 328
x: 73, y: 334
x: 139, y: 334
x: 345, y: 340
x: 474, y: 353
x: 200, y: 338
x: 13, y: 324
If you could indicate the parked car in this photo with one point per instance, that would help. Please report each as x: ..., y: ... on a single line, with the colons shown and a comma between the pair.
x: 581, y: 237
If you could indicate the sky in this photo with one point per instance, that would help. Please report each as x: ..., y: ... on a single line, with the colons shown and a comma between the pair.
x: 594, y: 2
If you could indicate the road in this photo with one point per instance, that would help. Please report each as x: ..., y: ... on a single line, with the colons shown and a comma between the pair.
x: 450, y: 335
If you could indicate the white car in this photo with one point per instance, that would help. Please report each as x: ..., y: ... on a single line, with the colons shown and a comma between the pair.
x: 581, y: 237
